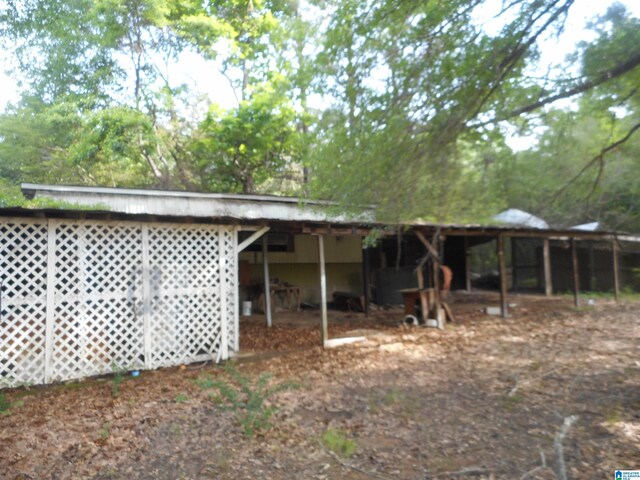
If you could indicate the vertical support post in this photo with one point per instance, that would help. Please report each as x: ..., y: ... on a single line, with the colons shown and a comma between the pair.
x: 323, y: 291
x: 576, y: 277
x: 51, y: 307
x: 616, y: 273
x: 467, y: 264
x: 236, y: 293
x: 366, y: 274
x: 81, y: 323
x: 424, y: 302
x: 146, y: 298
x: 224, y: 293
x: 546, y: 256
x: 503, y: 277
x: 436, y: 283
x: 267, y: 283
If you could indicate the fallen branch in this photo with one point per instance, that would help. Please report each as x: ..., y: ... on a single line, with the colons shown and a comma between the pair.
x: 557, y: 445
x: 519, y: 383
x: 461, y: 473
x: 539, y: 468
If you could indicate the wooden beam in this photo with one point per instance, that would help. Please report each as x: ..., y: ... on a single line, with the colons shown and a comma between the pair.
x: 324, y: 330
x: 436, y: 287
x: 616, y: 273
x: 252, y: 238
x: 366, y: 273
x: 502, y: 267
x: 576, y: 277
x: 267, y: 282
x: 467, y: 264
x: 424, y: 303
x: 340, y: 231
x: 546, y: 254
x: 432, y: 250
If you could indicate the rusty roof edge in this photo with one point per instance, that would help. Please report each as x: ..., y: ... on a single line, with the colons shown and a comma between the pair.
x: 445, y: 229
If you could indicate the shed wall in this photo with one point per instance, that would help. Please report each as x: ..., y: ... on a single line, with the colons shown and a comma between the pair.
x: 82, y: 298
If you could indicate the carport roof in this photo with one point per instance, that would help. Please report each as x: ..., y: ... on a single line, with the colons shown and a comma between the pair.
x: 311, y: 216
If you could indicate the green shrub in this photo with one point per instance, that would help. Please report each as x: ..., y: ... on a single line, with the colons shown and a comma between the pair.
x: 247, y: 398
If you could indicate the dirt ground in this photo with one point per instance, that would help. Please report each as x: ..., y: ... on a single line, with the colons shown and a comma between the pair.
x: 484, y: 399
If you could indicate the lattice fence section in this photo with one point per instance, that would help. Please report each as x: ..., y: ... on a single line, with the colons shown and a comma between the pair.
x: 228, y: 242
x: 23, y: 285
x: 98, y: 325
x: 185, y: 314
x: 112, y: 295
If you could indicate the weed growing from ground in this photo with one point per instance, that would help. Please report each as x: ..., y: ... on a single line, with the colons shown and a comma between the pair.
x: 181, y: 398
x: 246, y: 398
x: 118, y: 377
x: 5, y: 405
x: 338, y: 442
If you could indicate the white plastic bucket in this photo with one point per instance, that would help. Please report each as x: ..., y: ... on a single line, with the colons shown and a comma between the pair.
x: 246, y: 309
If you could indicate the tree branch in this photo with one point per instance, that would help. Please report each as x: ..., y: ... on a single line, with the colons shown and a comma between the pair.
x: 603, y: 77
x: 598, y: 159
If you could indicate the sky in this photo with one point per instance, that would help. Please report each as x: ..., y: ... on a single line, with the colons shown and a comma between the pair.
x: 204, y: 77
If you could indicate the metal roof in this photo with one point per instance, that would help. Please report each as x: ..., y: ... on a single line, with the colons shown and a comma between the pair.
x: 191, y: 204
x: 169, y: 205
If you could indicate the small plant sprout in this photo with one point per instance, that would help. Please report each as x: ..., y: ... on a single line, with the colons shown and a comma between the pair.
x: 118, y: 377
x: 337, y: 441
x: 181, y: 398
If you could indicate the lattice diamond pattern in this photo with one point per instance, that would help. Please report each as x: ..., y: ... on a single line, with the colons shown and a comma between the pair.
x: 98, y: 316
x: 97, y: 324
x: 23, y: 262
x: 229, y: 275
x: 23, y: 277
x: 185, y: 316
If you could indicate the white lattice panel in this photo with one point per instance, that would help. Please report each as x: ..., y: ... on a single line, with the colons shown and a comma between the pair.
x: 185, y: 316
x: 228, y: 241
x: 23, y: 281
x: 98, y: 291
x: 81, y: 298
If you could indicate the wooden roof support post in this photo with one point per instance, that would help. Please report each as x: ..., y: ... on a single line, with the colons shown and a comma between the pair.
x: 546, y: 255
x: 467, y: 264
x: 436, y: 286
x: 502, y: 267
x: 424, y: 301
x: 323, y: 292
x: 366, y: 273
x: 267, y: 282
x: 616, y: 273
x: 576, y: 277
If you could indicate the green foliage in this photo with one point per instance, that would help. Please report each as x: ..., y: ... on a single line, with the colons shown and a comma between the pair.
x: 243, y: 147
x: 416, y: 101
x: 116, y: 381
x: 5, y: 404
x: 247, y: 398
x: 105, y: 430
x: 181, y: 398
x: 337, y: 441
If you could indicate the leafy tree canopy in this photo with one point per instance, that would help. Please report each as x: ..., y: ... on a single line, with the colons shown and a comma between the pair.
x: 409, y: 105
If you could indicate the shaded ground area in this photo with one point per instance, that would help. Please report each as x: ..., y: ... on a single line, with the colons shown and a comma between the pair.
x: 483, y: 399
